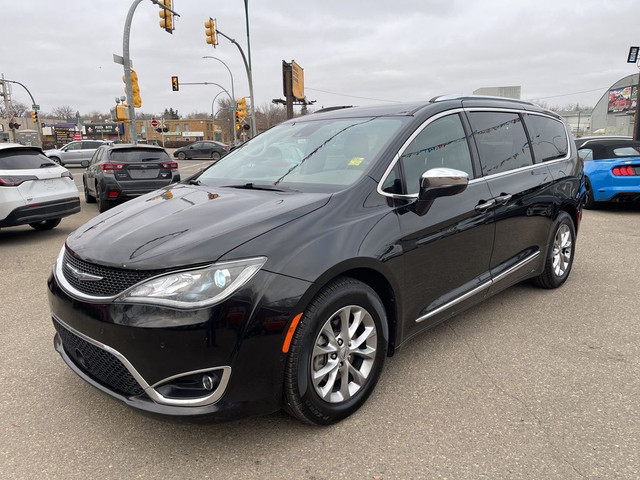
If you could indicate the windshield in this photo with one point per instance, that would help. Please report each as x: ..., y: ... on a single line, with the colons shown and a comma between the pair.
x: 322, y: 153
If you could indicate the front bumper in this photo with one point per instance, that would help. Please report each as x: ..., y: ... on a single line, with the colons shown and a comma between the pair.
x: 237, y: 344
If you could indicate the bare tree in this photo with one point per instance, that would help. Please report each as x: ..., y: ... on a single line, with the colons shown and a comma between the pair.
x: 64, y: 112
x: 198, y: 116
x: 270, y: 114
x: 16, y: 109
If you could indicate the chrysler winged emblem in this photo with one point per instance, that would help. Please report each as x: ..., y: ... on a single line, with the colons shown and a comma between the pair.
x: 83, y: 276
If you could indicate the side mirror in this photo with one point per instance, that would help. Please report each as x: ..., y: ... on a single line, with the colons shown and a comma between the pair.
x: 84, y: 163
x: 439, y: 182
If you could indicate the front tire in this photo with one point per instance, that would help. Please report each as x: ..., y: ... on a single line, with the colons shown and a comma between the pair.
x: 215, y: 156
x: 46, y: 224
x: 560, y: 257
x: 336, y: 353
x: 182, y: 156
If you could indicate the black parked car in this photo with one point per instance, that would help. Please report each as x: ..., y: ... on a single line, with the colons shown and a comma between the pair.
x: 205, y: 149
x: 117, y: 173
x: 273, y: 281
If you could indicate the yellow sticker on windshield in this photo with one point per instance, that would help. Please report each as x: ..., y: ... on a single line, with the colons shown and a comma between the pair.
x: 356, y: 161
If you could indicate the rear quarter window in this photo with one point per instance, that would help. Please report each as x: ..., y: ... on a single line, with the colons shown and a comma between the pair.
x: 627, y: 152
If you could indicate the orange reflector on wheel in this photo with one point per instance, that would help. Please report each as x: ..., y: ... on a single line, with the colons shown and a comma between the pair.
x: 292, y: 329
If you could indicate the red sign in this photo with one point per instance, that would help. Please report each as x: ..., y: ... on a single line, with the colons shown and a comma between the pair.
x: 154, y: 123
x: 77, y: 136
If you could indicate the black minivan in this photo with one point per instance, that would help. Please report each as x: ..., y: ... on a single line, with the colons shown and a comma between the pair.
x: 284, y: 274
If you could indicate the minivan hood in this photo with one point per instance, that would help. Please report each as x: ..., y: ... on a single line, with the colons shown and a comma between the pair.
x: 186, y: 225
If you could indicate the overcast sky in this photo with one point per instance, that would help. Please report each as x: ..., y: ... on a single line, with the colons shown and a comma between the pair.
x: 354, y: 52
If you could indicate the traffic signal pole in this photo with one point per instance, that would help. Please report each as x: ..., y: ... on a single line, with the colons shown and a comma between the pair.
x: 33, y: 102
x: 127, y: 71
x: 249, y: 79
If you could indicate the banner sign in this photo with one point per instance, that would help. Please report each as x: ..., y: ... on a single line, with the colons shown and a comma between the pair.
x: 622, y: 99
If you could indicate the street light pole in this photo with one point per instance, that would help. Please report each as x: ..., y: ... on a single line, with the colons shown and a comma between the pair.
x: 213, y: 116
x: 233, y: 93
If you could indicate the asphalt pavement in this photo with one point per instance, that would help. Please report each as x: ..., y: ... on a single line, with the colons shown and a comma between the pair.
x: 531, y: 384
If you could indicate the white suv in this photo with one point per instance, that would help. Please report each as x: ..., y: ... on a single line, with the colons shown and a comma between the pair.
x: 33, y: 189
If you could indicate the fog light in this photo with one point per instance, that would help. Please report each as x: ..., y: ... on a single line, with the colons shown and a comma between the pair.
x: 208, y: 382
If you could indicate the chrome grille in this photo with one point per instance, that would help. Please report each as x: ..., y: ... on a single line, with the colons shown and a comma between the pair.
x: 99, y: 364
x: 114, y: 280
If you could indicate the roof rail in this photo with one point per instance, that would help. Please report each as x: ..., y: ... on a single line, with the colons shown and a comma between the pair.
x: 457, y: 96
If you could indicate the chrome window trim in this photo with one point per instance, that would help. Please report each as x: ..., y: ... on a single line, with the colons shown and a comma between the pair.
x: 150, y: 389
x: 479, y: 288
x: 404, y: 146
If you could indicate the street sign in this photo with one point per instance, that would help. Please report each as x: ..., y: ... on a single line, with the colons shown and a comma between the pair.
x: 35, y: 107
x: 633, y: 55
x: 154, y: 123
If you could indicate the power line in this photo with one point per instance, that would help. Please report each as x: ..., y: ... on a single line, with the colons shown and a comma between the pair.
x: 602, y: 89
x: 352, y: 96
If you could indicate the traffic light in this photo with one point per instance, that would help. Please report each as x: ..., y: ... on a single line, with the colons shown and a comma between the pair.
x: 14, y: 125
x: 166, y: 17
x: 238, y: 120
x: 120, y: 113
x: 135, y: 89
x: 210, y: 32
x: 242, y: 107
x: 175, y: 86
x: 34, y: 116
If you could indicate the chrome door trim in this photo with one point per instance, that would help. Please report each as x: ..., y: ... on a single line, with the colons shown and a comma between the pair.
x: 480, y: 288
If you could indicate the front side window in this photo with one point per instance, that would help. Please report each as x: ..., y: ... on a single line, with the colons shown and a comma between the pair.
x: 548, y: 138
x: 320, y: 154
x: 74, y: 146
x: 442, y: 143
x: 586, y: 154
x: 501, y: 140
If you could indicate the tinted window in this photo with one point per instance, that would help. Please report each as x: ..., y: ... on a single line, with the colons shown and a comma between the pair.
x: 548, y: 137
x: 91, y: 145
x: 501, y: 140
x: 19, y: 159
x: 443, y: 143
x: 138, y: 155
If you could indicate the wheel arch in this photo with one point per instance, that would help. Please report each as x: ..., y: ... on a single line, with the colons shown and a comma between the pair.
x: 372, y: 275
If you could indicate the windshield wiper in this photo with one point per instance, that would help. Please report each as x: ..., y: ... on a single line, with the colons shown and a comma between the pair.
x: 149, y: 159
x: 260, y: 186
x: 47, y: 165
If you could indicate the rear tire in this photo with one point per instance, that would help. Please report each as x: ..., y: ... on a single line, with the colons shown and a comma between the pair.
x: 87, y: 196
x: 103, y: 205
x: 589, y: 202
x: 336, y: 353
x: 46, y: 224
x: 559, y: 260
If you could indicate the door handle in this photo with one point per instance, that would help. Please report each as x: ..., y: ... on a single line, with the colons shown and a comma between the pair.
x: 481, y: 207
x: 502, y: 199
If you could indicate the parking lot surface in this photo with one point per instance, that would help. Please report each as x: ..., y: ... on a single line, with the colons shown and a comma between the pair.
x: 531, y: 384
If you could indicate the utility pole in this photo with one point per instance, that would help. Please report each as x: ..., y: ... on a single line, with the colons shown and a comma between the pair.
x: 5, y: 95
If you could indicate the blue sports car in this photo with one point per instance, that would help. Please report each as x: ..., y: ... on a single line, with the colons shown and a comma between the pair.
x: 611, y: 168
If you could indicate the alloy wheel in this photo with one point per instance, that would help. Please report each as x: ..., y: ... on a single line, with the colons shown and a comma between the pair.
x: 562, y: 250
x: 343, y: 354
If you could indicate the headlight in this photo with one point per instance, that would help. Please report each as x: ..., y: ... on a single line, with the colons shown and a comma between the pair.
x: 195, y: 288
